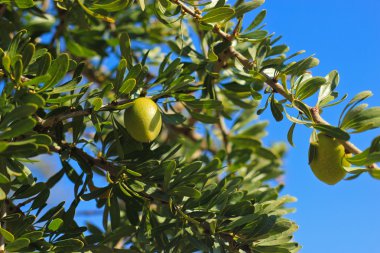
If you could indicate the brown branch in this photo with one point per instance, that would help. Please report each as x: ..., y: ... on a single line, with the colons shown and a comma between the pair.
x: 79, y: 154
x: 237, y: 28
x: 222, y: 61
x: 3, y: 8
x: 60, y: 28
x: 51, y: 121
x: 187, y: 9
x: 93, y: 74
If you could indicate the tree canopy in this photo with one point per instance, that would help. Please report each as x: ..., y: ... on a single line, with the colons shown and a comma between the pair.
x: 69, y: 69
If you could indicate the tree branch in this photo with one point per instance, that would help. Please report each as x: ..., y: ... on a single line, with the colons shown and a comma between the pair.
x: 79, y: 154
x: 350, y: 147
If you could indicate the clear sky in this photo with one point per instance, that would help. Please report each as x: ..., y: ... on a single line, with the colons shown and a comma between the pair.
x: 344, y: 35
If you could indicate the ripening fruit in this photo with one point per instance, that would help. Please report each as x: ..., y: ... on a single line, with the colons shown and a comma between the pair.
x: 329, y: 159
x: 143, y: 120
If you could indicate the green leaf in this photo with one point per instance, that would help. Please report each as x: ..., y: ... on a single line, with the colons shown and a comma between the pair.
x: 261, y: 110
x: 18, y: 70
x: 303, y: 108
x: 142, y: 4
x: 266, y: 153
x: 69, y: 245
x: 258, y: 19
x: 79, y: 50
x: 95, y: 194
x: 7, y: 235
x: 6, y: 62
x: 54, y: 179
x: 254, y: 36
x: 301, y: 67
x: 365, y: 158
x: 125, y: 48
x: 57, y: 71
x: 204, y: 118
x: 18, y: 113
x: 361, y: 119
x: 169, y: 168
x: 309, y: 87
x: 290, y: 134
x: 41, y: 199
x: 247, y: 7
x: 354, y: 102
x: 33, y: 236
x: 51, y: 213
x: 127, y: 86
x: 212, y: 56
x: 24, y: 150
x: 27, y: 54
x: 278, y: 50
x: 31, y: 191
x: 95, y: 14
x: 218, y: 14
x: 332, y: 131
x: 3, y: 195
x: 332, y: 81
x: 18, y: 244
x: 43, y: 64
x: 36, y: 99
x: 187, y: 191
x: 124, y: 106
x: 174, y: 119
x: 276, y: 109
x: 243, y: 141
x: 97, y: 103
x: 204, y: 104
x: 114, y: 212
x: 3, y: 146
x: 120, y: 73
x: 4, y: 179
x: 55, y: 224
x: 359, y: 97
x: 24, y: 4
x: 240, y: 221
x: 42, y: 139
x: 18, y: 128
x: 113, y: 6
x: 37, y: 80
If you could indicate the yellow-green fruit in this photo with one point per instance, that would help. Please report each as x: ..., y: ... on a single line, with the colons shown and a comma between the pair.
x: 329, y: 159
x: 143, y: 120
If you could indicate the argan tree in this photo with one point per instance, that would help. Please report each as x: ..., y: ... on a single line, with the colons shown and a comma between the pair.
x: 151, y: 108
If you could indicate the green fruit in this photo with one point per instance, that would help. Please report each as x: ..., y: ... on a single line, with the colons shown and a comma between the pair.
x: 143, y: 120
x: 328, y: 160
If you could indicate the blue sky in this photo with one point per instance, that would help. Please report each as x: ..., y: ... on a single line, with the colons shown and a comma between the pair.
x: 345, y: 36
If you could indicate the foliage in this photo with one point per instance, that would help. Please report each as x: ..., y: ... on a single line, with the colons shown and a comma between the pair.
x: 207, y: 183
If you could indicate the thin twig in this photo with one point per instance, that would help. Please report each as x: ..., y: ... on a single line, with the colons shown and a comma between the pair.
x: 3, y: 8
x: 60, y: 28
